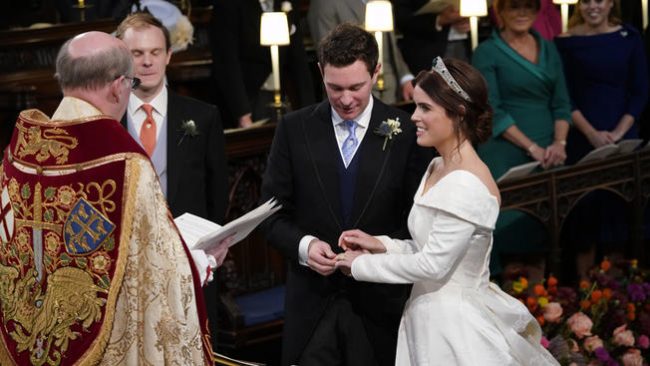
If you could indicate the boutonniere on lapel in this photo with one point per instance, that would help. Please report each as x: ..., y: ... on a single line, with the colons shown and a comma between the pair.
x: 388, y: 129
x: 189, y: 129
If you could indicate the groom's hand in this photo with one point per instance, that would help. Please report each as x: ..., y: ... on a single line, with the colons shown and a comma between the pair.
x: 321, y: 258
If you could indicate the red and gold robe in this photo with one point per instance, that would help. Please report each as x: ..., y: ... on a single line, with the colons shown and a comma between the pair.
x: 92, y: 267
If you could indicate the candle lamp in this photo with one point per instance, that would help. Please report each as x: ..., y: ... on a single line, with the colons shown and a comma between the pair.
x: 644, y: 9
x: 473, y: 9
x: 564, y: 10
x: 379, y: 19
x: 274, y: 32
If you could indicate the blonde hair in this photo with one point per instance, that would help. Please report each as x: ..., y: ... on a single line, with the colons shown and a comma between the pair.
x: 614, y: 15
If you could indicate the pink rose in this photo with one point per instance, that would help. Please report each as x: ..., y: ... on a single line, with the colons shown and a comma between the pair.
x: 643, y: 341
x: 580, y: 324
x: 591, y: 343
x: 623, y: 337
x: 632, y: 358
x: 552, y: 312
x: 544, y: 342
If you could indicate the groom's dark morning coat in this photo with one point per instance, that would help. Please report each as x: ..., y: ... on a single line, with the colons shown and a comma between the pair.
x: 303, y: 174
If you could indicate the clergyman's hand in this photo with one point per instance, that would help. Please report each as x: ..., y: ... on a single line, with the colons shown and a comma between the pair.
x: 221, y: 251
x: 321, y: 258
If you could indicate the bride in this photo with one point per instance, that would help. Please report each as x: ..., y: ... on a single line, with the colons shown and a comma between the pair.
x: 455, y: 315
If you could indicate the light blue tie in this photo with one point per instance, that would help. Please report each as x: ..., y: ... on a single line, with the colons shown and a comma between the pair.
x: 350, y: 143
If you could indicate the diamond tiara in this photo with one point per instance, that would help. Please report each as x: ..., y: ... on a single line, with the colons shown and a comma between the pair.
x: 439, y: 67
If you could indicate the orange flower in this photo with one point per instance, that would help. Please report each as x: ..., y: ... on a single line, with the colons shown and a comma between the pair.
x: 531, y: 302
x: 539, y: 290
x: 631, y: 316
x: 552, y: 281
x: 524, y: 282
x: 541, y: 320
x: 596, y: 295
x: 585, y: 304
x: 631, y: 308
x: 607, y: 293
x: 605, y: 265
x: 584, y: 284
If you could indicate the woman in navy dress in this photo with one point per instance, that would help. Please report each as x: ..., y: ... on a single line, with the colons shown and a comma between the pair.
x: 606, y: 71
x: 607, y: 77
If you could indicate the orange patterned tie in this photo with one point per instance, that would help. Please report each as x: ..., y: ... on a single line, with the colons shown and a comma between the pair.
x: 148, y: 131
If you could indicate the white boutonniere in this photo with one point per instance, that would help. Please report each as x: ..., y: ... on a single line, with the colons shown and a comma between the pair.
x: 388, y: 129
x: 189, y: 129
x: 286, y: 6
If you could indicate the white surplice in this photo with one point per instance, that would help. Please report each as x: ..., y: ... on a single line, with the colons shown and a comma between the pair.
x: 455, y: 315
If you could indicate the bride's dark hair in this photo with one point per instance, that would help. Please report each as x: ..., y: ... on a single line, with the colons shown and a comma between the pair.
x: 473, y: 119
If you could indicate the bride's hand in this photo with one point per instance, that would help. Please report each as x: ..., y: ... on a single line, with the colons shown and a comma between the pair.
x: 357, y: 239
x: 344, y: 260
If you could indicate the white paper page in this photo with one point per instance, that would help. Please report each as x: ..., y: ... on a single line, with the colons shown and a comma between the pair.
x: 436, y: 6
x: 200, y: 233
x: 626, y: 146
x: 193, y: 227
x: 599, y: 153
x: 518, y: 171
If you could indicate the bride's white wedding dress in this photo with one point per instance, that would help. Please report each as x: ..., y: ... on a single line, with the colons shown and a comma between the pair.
x: 455, y: 315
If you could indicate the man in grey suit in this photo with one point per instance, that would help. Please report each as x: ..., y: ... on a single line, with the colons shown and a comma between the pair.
x: 324, y: 15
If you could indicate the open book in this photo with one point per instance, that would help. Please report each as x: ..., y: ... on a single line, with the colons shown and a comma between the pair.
x: 436, y: 6
x: 599, y: 153
x: 626, y: 146
x: 257, y: 123
x: 518, y: 171
x: 200, y: 233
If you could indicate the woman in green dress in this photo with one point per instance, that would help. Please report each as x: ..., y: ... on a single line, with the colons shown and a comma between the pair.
x: 532, y: 111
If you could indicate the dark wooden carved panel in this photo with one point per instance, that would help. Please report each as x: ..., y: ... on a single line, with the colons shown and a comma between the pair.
x: 550, y: 196
x: 27, y: 59
x: 252, y: 264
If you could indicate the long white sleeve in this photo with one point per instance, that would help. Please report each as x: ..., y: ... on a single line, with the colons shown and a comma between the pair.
x: 448, y: 241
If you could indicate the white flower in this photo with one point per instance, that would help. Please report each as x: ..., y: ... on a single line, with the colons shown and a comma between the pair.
x: 189, y: 129
x: 181, y: 34
x: 286, y: 6
x: 388, y: 129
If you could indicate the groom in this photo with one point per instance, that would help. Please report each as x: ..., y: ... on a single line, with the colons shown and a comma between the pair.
x: 332, y: 170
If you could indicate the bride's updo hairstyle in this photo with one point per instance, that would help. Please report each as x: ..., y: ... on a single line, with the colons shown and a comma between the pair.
x: 461, y: 90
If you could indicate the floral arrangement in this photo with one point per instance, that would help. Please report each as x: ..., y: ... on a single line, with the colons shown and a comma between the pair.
x: 388, y: 129
x: 181, y: 34
x: 605, y: 321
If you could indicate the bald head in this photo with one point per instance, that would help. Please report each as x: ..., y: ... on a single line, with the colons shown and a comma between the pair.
x: 93, y: 43
x: 91, y: 60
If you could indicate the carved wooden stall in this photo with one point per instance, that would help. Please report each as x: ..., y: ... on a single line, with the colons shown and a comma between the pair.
x: 252, y: 268
x: 550, y: 196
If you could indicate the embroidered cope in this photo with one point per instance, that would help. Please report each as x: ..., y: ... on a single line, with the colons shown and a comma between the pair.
x: 92, y: 268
